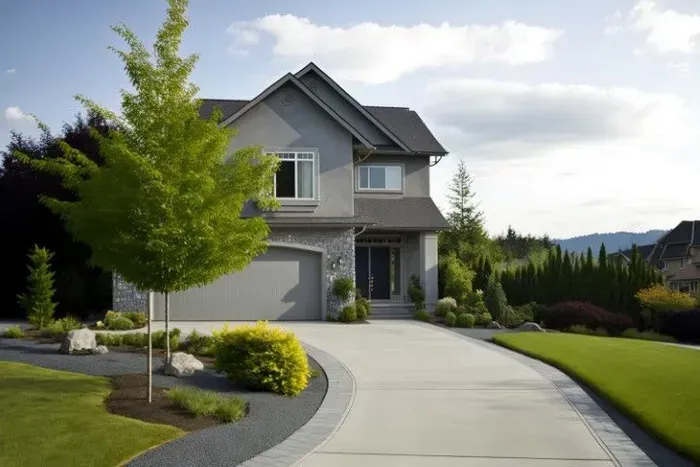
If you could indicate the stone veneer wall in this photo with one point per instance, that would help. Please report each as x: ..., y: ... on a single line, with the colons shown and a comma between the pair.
x: 125, y: 297
x: 338, y: 244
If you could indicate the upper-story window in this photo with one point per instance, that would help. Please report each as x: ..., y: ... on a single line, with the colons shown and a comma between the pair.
x: 296, y: 176
x: 380, y: 177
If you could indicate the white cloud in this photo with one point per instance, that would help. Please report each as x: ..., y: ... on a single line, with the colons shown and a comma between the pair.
x: 373, y: 53
x: 682, y: 68
x: 565, y: 159
x: 16, y: 114
x: 478, y: 113
x: 667, y: 31
x: 11, y: 70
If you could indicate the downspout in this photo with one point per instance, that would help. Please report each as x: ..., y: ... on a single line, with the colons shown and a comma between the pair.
x: 364, y: 227
x: 362, y: 159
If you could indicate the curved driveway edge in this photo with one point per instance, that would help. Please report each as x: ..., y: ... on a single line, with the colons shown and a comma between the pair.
x: 328, y: 418
x: 616, y: 441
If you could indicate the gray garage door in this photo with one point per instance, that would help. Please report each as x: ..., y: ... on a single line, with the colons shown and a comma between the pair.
x: 281, y: 284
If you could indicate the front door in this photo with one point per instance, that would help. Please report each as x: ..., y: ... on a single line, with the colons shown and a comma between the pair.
x: 373, y: 271
x: 379, y: 272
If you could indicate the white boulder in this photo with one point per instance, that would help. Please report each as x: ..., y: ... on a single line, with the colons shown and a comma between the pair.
x: 99, y: 350
x: 494, y: 325
x: 182, y: 364
x: 78, y: 340
x: 530, y: 327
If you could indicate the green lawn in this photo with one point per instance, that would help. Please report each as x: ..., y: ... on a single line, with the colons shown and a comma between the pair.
x: 657, y: 385
x: 57, y: 418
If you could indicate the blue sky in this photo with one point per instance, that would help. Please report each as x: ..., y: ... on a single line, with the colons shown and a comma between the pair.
x: 571, y: 120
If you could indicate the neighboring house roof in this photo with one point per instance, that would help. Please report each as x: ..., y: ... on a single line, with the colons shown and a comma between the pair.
x: 682, y: 233
x: 644, y: 251
x: 400, y: 213
x: 675, y: 251
x: 399, y: 123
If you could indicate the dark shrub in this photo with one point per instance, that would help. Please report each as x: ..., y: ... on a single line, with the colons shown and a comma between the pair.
x: 200, y: 344
x: 343, y: 287
x: 682, y: 325
x: 450, y: 319
x: 422, y: 315
x: 416, y: 293
x: 138, y: 318
x: 466, y: 320
x: 348, y: 314
x: 363, y: 302
x: 120, y: 323
x: 360, y: 311
x: 564, y: 315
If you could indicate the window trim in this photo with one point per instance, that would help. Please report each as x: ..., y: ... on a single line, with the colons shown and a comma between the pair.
x: 315, y: 170
x: 358, y: 178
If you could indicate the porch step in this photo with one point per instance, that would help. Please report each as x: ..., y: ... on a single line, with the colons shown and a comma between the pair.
x: 391, y: 311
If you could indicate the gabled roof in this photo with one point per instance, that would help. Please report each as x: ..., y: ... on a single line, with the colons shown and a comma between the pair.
x: 399, y: 123
x: 644, y: 251
x: 675, y: 251
x: 291, y: 79
x: 408, y: 126
x: 400, y: 213
x: 682, y: 233
x: 336, y: 87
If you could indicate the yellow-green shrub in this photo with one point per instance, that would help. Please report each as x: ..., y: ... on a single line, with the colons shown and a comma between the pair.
x: 658, y: 298
x: 262, y: 357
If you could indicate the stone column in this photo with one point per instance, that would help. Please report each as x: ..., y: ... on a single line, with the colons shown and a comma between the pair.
x: 428, y: 245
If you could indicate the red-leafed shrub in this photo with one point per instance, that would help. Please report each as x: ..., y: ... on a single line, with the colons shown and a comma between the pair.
x: 566, y: 314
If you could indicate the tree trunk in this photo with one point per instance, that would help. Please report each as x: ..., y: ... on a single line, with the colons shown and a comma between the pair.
x: 149, y: 365
x: 167, y: 328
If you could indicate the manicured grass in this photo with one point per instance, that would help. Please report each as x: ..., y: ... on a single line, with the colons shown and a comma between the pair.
x: 655, y: 384
x: 57, y: 418
x: 209, y: 404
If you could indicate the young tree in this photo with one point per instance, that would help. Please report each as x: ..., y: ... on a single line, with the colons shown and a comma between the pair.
x: 164, y: 209
x: 38, y: 300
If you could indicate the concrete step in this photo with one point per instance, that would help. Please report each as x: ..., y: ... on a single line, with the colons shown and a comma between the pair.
x: 391, y: 311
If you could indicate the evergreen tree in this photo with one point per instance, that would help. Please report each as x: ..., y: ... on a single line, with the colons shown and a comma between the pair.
x: 467, y: 235
x: 496, y: 301
x: 37, y: 301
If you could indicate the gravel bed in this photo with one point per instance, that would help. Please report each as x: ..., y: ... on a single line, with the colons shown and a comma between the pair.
x: 271, y: 419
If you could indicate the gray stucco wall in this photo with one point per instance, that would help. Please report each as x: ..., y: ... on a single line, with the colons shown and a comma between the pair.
x: 416, y: 173
x: 345, y: 109
x: 298, y: 122
x: 429, y: 267
x: 338, y: 244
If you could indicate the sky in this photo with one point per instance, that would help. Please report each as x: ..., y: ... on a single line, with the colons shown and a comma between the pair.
x: 571, y: 120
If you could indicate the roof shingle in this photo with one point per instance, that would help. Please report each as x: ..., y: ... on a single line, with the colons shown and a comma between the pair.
x: 400, y: 213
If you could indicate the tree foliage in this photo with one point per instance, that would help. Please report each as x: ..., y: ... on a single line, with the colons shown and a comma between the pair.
x: 37, y: 301
x: 658, y: 298
x: 164, y: 209
x: 81, y: 289
x: 568, y: 276
x: 496, y: 301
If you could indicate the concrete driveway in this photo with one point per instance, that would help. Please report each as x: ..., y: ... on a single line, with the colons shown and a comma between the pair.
x: 426, y: 397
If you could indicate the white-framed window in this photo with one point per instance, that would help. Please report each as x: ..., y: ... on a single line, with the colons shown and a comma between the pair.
x: 296, y: 175
x: 664, y: 265
x: 380, y: 177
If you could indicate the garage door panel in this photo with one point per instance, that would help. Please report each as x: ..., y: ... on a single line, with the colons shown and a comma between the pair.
x: 281, y: 284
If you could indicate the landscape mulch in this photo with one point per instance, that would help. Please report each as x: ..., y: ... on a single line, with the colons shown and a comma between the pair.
x: 129, y: 398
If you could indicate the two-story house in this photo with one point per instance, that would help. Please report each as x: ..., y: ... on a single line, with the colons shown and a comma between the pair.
x: 354, y: 189
x: 676, y: 254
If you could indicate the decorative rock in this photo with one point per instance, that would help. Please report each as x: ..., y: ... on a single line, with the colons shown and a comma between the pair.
x: 78, y: 340
x: 494, y: 325
x: 182, y: 364
x: 99, y: 350
x: 530, y: 327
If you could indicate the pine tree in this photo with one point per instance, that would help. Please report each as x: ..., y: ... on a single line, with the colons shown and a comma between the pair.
x: 467, y: 235
x: 38, y: 300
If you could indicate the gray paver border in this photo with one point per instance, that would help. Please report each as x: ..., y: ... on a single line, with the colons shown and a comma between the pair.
x: 325, y: 422
x: 623, y: 451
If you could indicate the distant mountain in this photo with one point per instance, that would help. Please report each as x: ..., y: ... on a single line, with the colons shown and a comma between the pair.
x: 613, y: 241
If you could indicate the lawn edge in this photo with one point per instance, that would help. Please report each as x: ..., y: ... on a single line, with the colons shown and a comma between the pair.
x: 633, y: 416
